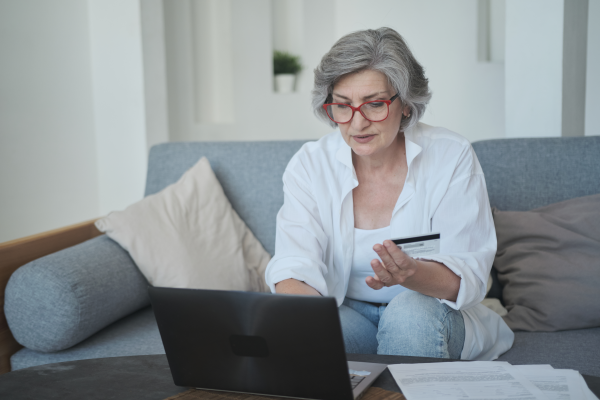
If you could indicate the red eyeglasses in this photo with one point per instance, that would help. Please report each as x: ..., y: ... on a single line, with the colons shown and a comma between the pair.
x: 374, y: 111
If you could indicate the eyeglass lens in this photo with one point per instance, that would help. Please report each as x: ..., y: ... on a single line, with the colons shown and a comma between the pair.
x: 373, y: 111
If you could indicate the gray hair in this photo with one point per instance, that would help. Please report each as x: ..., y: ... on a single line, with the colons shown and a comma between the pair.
x: 381, y: 50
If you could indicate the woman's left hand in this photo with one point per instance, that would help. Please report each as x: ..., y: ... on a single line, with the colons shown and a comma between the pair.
x: 396, y: 267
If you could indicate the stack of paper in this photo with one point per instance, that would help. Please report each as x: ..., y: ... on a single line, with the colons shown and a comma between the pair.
x: 491, y: 380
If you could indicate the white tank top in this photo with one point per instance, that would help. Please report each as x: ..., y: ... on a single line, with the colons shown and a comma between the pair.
x: 364, y: 240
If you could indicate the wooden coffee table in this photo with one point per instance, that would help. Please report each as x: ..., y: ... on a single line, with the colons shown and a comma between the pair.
x: 142, y: 377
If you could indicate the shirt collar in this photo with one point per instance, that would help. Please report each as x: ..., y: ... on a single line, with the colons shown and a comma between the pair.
x: 344, y: 153
x: 412, y: 148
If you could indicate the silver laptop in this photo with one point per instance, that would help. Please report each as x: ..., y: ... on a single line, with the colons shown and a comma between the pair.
x: 269, y: 344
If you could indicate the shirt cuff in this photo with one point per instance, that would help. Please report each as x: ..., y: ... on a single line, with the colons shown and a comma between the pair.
x: 469, y: 291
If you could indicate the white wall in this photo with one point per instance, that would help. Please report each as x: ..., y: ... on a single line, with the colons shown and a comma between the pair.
x: 47, y: 144
x: 546, y: 67
x: 119, y: 102
x: 468, y: 95
x: 155, y: 72
x: 534, y: 68
x: 258, y: 113
x: 287, y: 19
x: 592, y: 92
x: 83, y: 87
x: 78, y: 108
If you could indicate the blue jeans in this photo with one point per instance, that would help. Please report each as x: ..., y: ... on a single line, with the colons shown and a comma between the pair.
x: 412, y: 324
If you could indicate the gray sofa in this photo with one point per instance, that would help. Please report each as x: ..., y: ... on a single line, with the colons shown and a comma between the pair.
x: 94, y: 287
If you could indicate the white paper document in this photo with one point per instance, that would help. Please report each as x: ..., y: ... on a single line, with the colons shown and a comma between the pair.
x: 557, y: 384
x: 533, y: 367
x: 490, y: 380
x: 586, y: 390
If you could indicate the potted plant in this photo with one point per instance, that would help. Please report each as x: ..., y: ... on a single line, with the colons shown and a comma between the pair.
x: 285, y: 68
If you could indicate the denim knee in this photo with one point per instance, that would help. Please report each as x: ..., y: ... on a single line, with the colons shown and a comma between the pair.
x: 359, y: 333
x: 417, y: 325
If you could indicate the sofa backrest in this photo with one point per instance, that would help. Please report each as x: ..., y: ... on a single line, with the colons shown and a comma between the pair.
x: 523, y: 174
x: 250, y: 173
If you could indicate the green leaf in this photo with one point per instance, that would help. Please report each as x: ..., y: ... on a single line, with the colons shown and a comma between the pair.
x: 285, y: 63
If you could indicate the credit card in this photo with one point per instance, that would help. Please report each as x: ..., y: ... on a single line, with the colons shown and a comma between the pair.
x: 418, y: 246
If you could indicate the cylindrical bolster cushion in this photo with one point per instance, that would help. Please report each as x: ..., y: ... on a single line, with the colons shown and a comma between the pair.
x: 59, y: 300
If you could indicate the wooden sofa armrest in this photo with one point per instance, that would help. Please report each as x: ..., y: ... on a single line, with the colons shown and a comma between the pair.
x: 19, y: 252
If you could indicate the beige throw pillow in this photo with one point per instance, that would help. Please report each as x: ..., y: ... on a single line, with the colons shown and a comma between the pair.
x: 189, y: 236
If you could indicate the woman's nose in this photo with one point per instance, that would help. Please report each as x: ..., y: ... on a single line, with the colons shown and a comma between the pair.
x: 359, y: 122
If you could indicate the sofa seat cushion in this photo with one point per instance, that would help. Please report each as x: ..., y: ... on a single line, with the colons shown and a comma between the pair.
x: 136, y: 334
x: 59, y: 300
x: 576, y: 349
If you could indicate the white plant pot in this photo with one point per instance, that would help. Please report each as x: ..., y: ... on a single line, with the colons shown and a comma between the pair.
x: 284, y: 83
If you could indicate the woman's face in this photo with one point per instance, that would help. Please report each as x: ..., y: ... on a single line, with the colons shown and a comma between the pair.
x: 368, y: 138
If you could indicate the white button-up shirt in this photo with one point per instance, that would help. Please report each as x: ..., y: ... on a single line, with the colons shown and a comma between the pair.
x: 444, y: 192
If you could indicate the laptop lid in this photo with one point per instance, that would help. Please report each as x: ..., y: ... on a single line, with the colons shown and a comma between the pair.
x: 251, y: 342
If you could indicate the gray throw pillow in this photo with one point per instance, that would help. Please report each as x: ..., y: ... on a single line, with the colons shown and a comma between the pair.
x: 548, y: 261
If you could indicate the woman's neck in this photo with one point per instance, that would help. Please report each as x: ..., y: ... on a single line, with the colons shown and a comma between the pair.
x: 387, y: 161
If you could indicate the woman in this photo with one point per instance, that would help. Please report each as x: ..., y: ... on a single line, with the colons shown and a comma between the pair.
x: 384, y: 175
